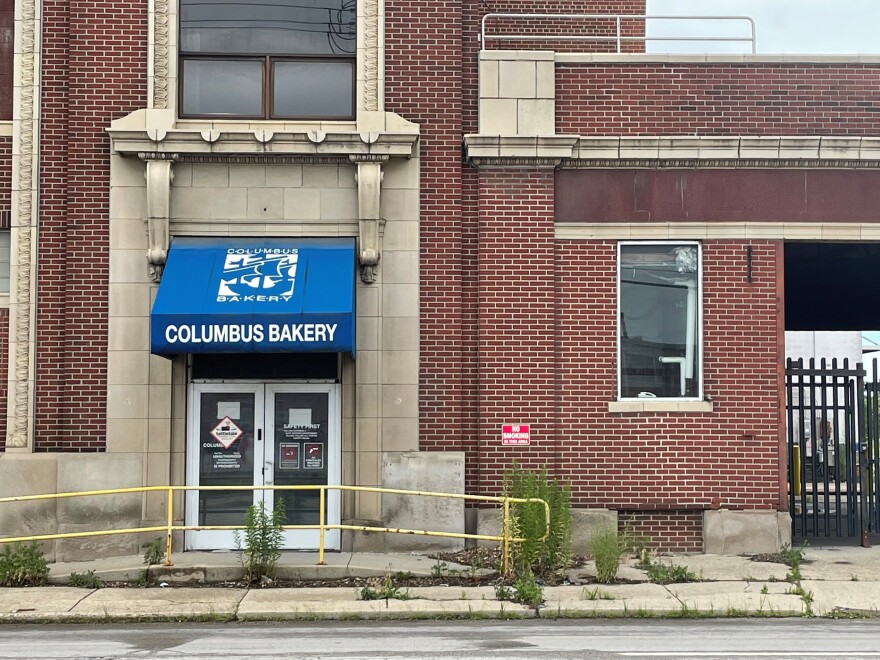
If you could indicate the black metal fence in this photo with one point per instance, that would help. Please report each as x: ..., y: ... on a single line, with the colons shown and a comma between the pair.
x: 833, y: 421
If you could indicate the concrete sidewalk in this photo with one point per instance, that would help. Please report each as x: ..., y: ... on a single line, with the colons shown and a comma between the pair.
x: 834, y: 581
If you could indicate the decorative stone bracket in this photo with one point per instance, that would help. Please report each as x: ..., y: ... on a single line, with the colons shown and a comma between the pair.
x: 159, y: 175
x: 156, y: 138
x: 369, y: 180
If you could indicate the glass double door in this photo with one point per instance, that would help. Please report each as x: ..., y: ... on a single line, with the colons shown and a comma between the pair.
x: 262, y: 435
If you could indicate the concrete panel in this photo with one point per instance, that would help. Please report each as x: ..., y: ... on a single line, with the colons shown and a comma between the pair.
x: 400, y: 434
x: 128, y: 299
x: 250, y: 175
x: 265, y: 203
x: 129, y: 334
x: 227, y: 203
x: 400, y: 205
x: 29, y: 474
x: 737, y: 532
x: 210, y: 175
x: 401, y: 235
x: 80, y: 472
x: 400, y: 400
x: 536, y: 117
x: 488, y: 79
x: 400, y: 267
x: 516, y: 80
x: 400, y: 333
x: 302, y: 203
x: 126, y: 436
x: 320, y: 176
x: 286, y: 175
x: 339, y: 204
x: 127, y: 401
x: 425, y: 471
x: 128, y: 234
x: 585, y: 523
x: 498, y: 116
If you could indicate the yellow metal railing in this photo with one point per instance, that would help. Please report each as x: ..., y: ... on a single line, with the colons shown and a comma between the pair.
x: 505, y: 538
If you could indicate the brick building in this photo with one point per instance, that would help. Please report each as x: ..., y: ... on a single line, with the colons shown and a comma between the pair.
x: 220, y: 279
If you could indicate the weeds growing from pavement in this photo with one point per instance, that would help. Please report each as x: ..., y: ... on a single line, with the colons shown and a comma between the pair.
x: 259, y: 543
x: 23, y: 565
x: 87, y: 580
x: 606, y: 550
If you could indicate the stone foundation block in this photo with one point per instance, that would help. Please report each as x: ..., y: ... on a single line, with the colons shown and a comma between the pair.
x: 441, y: 472
x: 584, y: 524
x: 728, y: 532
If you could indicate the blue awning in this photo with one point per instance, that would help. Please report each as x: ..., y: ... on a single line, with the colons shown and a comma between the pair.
x: 236, y: 295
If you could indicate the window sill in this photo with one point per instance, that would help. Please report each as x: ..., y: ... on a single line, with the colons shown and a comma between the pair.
x: 660, y: 406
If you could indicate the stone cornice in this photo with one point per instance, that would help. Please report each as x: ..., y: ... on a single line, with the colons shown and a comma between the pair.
x: 608, y: 152
x: 147, y: 135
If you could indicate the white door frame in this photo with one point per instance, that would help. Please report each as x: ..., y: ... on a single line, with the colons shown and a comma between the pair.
x: 264, y: 401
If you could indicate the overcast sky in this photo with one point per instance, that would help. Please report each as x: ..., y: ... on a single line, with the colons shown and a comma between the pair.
x: 782, y: 26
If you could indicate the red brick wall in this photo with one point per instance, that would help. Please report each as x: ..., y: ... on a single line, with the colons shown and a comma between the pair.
x: 423, y: 42
x: 516, y: 319
x: 94, y: 70
x: 7, y: 24
x: 692, y: 99
x: 431, y: 79
x: 658, y: 461
x: 664, y: 531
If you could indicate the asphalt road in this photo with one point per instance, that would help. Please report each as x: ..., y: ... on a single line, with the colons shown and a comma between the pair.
x: 702, y: 639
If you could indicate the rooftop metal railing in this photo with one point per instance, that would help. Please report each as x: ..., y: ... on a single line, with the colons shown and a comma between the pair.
x: 506, y: 538
x: 618, y: 37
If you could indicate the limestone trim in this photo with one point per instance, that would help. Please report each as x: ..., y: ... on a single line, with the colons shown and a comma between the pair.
x: 369, y: 180
x: 607, y: 152
x: 807, y: 231
x: 25, y: 196
x: 659, y: 406
x: 5, y: 129
x: 139, y: 135
x: 159, y: 176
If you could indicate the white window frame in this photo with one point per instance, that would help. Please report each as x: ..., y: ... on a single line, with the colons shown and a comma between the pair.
x: 699, y: 329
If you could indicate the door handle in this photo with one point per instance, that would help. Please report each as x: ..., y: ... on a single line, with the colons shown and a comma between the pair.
x: 269, y: 473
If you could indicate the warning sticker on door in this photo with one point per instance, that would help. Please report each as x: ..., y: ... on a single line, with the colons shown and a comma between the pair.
x: 314, y: 456
x: 289, y: 455
x: 226, y: 432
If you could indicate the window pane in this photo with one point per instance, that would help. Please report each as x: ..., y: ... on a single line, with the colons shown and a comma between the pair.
x: 258, y: 27
x: 223, y: 87
x: 659, y: 312
x: 313, y: 89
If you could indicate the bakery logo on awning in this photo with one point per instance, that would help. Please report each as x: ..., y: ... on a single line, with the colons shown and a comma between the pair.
x: 258, y: 275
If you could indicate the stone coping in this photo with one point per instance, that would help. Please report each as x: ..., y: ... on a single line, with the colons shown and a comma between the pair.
x: 679, y: 58
x: 609, y: 151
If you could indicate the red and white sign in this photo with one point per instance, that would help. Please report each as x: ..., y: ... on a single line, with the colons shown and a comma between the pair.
x: 515, y: 434
x: 226, y: 432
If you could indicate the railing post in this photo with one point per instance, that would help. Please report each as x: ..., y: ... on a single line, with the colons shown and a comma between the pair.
x: 321, y: 527
x: 617, y: 20
x: 505, y: 532
x: 170, y: 516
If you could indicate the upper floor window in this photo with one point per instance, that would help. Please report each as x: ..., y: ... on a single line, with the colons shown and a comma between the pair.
x: 268, y: 59
x: 659, y: 338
